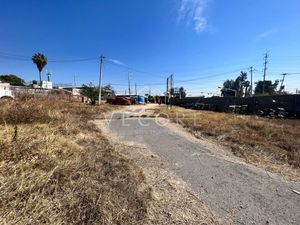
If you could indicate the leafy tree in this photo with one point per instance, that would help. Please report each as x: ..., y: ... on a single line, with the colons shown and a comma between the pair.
x: 12, y: 79
x: 247, y: 88
x: 182, y: 92
x: 90, y: 91
x: 270, y: 87
x: 240, y: 85
x: 172, y: 91
x: 41, y: 61
x: 240, y: 82
x: 178, y: 92
x: 108, y: 89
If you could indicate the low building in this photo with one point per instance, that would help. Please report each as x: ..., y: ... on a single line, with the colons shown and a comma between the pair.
x: 76, y: 91
x: 47, y: 84
x: 5, y: 90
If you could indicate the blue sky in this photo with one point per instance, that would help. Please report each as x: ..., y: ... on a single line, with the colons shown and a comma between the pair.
x: 207, y: 41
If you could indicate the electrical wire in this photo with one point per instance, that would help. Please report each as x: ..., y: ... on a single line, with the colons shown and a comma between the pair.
x: 4, y: 55
x: 10, y: 56
x: 131, y: 69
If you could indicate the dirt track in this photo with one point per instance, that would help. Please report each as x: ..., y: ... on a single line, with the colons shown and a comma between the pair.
x: 228, y: 186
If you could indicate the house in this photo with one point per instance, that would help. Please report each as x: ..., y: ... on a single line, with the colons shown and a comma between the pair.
x: 5, y: 90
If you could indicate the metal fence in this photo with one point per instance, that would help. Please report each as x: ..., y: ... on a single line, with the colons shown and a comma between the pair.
x: 252, y: 105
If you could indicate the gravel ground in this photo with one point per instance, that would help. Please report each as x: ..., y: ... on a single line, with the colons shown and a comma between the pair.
x: 247, y: 194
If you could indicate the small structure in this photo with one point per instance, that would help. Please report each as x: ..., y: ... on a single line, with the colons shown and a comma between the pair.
x: 47, y: 84
x: 141, y: 100
x: 76, y: 91
x: 5, y: 90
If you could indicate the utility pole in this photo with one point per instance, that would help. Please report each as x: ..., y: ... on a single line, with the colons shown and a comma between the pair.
x: 265, y: 70
x: 167, y: 91
x: 171, y: 84
x: 251, y: 72
x: 74, y: 80
x: 281, y: 86
x: 135, y: 89
x: 129, y: 84
x: 48, y: 76
x: 100, y: 80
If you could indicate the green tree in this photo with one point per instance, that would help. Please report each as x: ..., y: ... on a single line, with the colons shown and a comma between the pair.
x: 270, y: 87
x: 41, y: 61
x: 240, y: 82
x: 12, y: 79
x: 240, y: 85
x: 90, y: 91
x: 247, y: 88
x: 107, y: 90
x: 182, y: 92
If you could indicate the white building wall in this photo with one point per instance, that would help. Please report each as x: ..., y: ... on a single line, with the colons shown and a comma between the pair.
x: 5, y: 90
x: 47, y: 84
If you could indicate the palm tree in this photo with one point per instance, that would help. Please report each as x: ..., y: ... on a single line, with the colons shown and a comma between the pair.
x: 41, y: 61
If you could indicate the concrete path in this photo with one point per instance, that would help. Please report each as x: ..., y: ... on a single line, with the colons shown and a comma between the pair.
x: 247, y: 194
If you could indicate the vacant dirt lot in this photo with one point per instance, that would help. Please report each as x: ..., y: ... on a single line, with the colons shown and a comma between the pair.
x: 57, y: 168
x: 273, y: 144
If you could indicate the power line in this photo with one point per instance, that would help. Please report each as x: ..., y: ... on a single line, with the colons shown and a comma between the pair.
x: 71, y: 60
x: 27, y: 58
x: 209, y: 76
x: 190, y: 80
x: 133, y: 69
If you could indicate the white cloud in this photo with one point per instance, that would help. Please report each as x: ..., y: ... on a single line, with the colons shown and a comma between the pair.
x: 267, y: 33
x: 193, y: 12
x: 115, y: 61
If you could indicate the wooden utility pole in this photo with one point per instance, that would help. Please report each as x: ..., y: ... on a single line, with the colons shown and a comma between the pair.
x: 129, y: 91
x: 251, y: 89
x: 171, y: 85
x: 167, y: 91
x: 265, y: 70
x: 281, y: 86
x: 135, y: 89
x: 100, y: 79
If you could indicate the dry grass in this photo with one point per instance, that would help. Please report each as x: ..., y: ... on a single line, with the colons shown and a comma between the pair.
x: 57, y: 168
x: 271, y: 143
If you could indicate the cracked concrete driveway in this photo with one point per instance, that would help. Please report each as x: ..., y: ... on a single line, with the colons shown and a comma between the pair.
x: 247, y: 194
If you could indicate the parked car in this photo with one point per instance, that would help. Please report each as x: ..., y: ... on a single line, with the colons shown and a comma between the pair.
x: 121, y: 101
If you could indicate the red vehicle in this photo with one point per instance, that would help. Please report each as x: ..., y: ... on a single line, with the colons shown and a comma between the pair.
x: 121, y: 101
